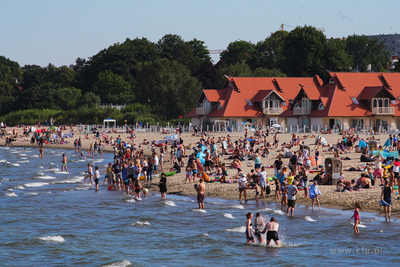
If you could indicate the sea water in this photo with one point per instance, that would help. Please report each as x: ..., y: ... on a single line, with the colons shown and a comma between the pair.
x: 53, y: 219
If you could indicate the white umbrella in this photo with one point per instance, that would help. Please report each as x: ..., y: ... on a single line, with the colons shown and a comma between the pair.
x: 33, y: 129
x: 276, y: 125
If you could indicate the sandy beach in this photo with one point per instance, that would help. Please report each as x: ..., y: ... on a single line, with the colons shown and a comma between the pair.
x: 368, y: 198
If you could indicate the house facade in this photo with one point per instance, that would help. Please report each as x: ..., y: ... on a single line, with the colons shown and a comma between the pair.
x: 343, y: 100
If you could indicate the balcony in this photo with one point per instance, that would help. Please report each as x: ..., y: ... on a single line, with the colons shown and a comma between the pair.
x: 203, y: 111
x: 272, y: 111
x: 383, y: 111
x: 302, y: 111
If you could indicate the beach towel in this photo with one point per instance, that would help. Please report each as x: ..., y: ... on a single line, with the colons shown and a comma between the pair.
x: 362, y: 144
x: 314, y: 191
x: 386, y: 154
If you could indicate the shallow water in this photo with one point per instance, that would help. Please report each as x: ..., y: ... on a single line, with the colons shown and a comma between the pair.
x: 51, y: 218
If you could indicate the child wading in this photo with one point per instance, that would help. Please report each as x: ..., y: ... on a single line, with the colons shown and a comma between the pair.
x: 357, y: 217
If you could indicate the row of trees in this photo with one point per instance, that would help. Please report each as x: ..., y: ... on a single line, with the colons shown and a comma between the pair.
x: 164, y: 79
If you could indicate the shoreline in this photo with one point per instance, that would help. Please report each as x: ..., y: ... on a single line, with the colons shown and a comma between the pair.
x: 368, y: 198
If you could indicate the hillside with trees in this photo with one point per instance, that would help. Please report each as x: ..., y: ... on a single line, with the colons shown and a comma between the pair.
x: 163, y: 80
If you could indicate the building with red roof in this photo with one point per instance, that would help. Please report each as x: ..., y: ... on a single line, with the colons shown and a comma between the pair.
x: 343, y: 100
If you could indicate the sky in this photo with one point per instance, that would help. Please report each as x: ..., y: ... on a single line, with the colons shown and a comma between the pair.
x: 40, y: 32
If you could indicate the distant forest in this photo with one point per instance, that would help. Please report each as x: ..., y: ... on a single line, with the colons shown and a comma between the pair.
x: 162, y: 81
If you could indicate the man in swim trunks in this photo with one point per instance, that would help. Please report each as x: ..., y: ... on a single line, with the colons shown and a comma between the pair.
x: 272, y: 231
x: 291, y: 196
x: 378, y: 172
x: 64, y: 163
x: 201, y: 189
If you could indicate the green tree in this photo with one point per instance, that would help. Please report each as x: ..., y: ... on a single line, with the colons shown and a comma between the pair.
x: 89, y: 100
x: 168, y: 86
x: 364, y: 51
x: 269, y: 53
x: 336, y: 57
x: 112, y: 89
x: 237, y: 52
x: 68, y: 98
x: 304, y: 52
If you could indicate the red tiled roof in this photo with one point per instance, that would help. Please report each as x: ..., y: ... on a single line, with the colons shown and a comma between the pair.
x: 213, y: 95
x: 369, y: 92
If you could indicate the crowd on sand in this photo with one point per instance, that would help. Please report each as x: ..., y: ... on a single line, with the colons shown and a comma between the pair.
x: 263, y: 165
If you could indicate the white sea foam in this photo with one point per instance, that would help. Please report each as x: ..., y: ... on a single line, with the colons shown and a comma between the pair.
x: 73, y: 180
x: 360, y: 225
x: 12, y: 194
x: 46, y: 177
x: 130, y: 200
x: 205, y: 234
x: 14, y: 164
x: 4, y: 160
x: 123, y: 263
x: 20, y: 187
x: 279, y: 212
x: 237, y: 207
x: 60, y: 172
x: 23, y: 161
x: 265, y: 209
x: 308, y: 218
x: 31, y: 194
x: 34, y: 156
x: 23, y: 158
x: 228, y: 215
x: 23, y: 155
x: 139, y: 223
x: 239, y: 229
x: 41, y: 167
x: 55, y: 239
x: 170, y: 203
x: 36, y: 184
x: 199, y: 210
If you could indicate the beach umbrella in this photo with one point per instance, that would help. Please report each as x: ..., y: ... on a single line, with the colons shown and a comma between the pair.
x: 276, y: 125
x: 33, y: 129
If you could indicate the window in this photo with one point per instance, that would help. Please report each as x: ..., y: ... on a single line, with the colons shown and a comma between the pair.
x: 331, y: 80
x: 393, y: 102
x: 355, y: 101
x: 321, y: 106
x: 219, y: 107
x: 284, y: 104
x: 248, y: 102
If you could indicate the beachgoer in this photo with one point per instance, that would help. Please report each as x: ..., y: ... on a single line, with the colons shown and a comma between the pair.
x: 378, y: 172
x: 163, y: 185
x: 259, y: 226
x: 386, y: 196
x: 284, y: 196
x: 242, y: 185
x: 64, y: 163
x: 249, y: 228
x: 356, y: 216
x: 314, y: 193
x: 292, y: 191
x: 137, y: 186
x: 256, y: 189
x: 201, y: 189
x: 96, y: 177
x: 262, y: 174
x: 272, y: 231
x: 41, y: 152
x: 89, y: 175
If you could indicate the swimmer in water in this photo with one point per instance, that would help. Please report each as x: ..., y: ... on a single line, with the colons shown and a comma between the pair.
x: 64, y: 163
x: 41, y: 152
x: 249, y: 228
x: 259, y: 225
x: 96, y: 177
x: 272, y: 231
x: 357, y: 217
x: 89, y: 175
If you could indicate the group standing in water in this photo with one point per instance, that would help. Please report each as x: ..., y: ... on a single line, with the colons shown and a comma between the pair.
x: 271, y: 228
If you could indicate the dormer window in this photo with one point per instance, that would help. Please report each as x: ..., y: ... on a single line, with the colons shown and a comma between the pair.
x: 331, y: 80
x: 219, y: 107
x: 393, y: 102
x: 248, y: 102
x: 321, y: 106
